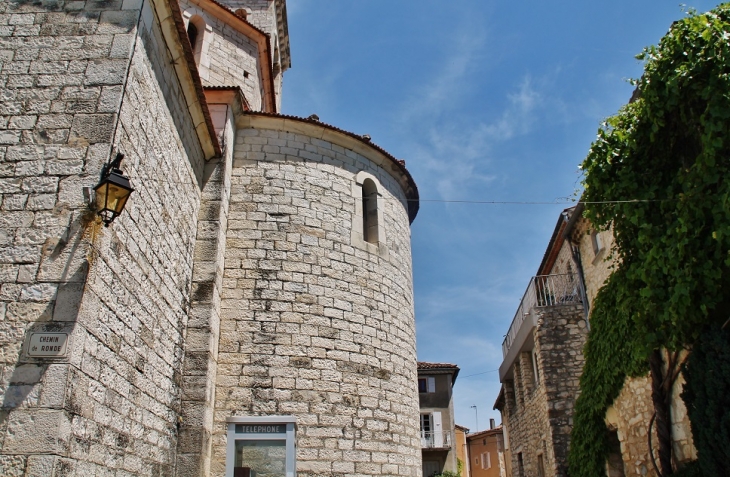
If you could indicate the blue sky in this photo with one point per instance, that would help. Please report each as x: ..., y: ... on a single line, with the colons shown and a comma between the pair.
x: 486, y: 101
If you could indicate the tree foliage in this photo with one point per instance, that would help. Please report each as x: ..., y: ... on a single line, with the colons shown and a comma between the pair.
x: 656, y: 175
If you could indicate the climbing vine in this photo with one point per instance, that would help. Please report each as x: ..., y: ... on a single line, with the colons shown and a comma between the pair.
x: 657, y: 176
x: 612, y: 352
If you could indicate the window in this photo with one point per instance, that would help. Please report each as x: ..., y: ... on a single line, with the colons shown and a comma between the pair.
x: 261, y: 446
x: 368, y: 231
x: 427, y: 384
x: 540, y: 466
x: 534, y: 368
x: 432, y: 431
x: 196, y: 29
x: 596, y: 242
x: 192, y: 35
x: 369, y: 211
x: 486, y: 460
x: 425, y: 423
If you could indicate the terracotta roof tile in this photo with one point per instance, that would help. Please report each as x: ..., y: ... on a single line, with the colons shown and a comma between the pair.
x: 427, y: 365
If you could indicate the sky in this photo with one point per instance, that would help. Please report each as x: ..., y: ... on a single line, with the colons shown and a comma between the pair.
x: 491, y: 101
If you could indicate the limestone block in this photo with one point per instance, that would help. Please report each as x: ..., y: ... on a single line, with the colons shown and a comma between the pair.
x: 14, y: 465
x: 37, y: 431
x: 106, y: 72
x: 40, y: 465
x: 92, y: 128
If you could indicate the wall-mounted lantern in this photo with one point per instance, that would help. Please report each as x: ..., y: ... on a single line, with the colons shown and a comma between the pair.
x: 113, y: 191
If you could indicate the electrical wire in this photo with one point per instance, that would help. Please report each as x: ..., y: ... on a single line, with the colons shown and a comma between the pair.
x: 479, y: 374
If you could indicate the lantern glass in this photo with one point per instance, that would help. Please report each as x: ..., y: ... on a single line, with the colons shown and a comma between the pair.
x: 111, y: 195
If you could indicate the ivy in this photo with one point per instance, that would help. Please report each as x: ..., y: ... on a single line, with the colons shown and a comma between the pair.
x: 612, y: 352
x: 656, y: 175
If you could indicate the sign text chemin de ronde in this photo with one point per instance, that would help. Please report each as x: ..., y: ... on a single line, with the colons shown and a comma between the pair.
x: 51, y: 345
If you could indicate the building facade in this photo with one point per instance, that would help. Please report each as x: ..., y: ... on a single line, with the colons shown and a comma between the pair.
x: 435, y: 396
x: 543, y: 361
x: 250, y: 311
x: 487, y: 453
x: 462, y: 453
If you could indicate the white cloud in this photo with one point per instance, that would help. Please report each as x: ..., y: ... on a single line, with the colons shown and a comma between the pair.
x: 456, y: 151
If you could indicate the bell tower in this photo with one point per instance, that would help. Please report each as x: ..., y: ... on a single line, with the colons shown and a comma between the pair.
x: 269, y: 16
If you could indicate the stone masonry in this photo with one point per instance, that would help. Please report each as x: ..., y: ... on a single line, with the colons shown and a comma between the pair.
x: 237, y: 282
x: 539, y: 415
x: 312, y: 325
x: 75, y: 74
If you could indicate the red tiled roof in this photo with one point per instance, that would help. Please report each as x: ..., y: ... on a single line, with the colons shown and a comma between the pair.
x: 427, y: 365
x: 496, y: 430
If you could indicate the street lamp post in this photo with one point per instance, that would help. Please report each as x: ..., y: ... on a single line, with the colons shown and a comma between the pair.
x: 476, y: 414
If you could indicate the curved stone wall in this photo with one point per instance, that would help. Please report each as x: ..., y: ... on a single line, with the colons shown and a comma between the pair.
x: 316, y: 322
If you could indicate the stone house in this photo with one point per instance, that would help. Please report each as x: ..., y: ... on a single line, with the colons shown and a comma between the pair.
x: 250, y: 311
x: 486, y: 453
x: 543, y: 360
x: 435, y: 396
x: 542, y: 363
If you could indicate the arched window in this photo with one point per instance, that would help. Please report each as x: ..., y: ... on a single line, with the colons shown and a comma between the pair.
x: 368, y: 223
x: 196, y: 31
x: 369, y: 211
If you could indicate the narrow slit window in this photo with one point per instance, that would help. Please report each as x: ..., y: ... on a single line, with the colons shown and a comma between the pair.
x: 192, y: 35
x: 196, y: 33
x: 369, y: 211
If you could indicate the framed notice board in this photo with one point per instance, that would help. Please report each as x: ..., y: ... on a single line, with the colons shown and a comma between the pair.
x: 261, y: 446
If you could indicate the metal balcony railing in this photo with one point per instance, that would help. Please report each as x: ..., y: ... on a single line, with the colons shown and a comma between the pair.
x: 435, y: 440
x: 544, y: 290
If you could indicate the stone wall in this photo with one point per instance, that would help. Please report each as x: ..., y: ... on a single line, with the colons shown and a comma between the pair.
x: 630, y: 415
x: 110, y: 406
x: 540, y: 414
x: 311, y: 325
x: 261, y: 13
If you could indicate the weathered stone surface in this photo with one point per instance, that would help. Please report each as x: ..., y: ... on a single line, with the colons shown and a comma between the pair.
x: 539, y: 403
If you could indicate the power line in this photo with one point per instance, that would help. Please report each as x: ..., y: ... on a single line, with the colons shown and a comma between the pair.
x: 515, y: 202
x: 478, y: 374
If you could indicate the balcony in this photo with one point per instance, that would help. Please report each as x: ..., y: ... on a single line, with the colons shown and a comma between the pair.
x: 435, y: 440
x: 543, y: 291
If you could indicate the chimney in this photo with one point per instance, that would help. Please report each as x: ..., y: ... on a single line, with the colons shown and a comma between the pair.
x: 491, y: 423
